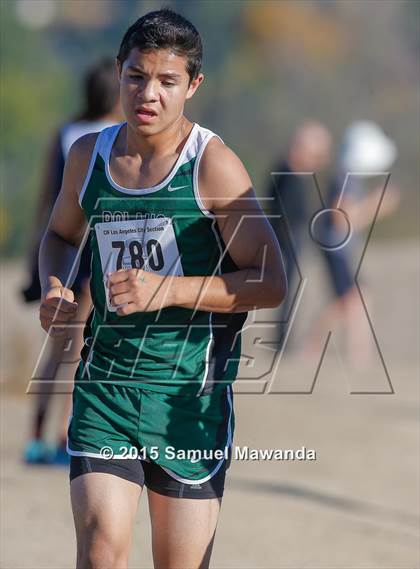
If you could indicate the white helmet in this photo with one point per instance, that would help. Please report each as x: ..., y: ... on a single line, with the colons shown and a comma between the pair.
x: 366, y: 148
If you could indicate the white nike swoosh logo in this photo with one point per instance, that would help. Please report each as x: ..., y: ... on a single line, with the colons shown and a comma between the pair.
x: 172, y: 189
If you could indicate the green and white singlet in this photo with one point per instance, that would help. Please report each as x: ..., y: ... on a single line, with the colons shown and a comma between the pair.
x: 167, y: 230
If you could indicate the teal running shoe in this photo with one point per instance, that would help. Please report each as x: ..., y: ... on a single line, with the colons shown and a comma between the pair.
x: 38, y: 452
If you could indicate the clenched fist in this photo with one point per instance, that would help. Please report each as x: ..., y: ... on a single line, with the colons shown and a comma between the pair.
x: 57, y: 309
x: 135, y: 290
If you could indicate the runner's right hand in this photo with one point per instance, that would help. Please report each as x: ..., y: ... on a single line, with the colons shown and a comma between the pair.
x: 57, y: 307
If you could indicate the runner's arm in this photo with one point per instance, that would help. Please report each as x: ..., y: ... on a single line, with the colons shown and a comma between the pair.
x: 67, y: 225
x: 260, y: 281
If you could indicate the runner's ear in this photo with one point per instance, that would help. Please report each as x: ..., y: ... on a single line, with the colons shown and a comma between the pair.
x: 119, y: 68
x: 195, y: 83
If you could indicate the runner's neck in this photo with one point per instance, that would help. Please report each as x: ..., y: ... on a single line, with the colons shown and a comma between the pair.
x: 163, y: 143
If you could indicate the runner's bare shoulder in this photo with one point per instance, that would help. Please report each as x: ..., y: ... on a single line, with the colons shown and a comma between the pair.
x: 222, y: 176
x: 68, y: 219
x: 78, y: 160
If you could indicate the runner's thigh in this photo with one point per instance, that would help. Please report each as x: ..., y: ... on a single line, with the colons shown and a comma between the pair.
x: 104, y: 508
x: 183, y: 530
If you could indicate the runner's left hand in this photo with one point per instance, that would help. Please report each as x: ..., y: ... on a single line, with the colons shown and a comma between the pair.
x: 135, y: 290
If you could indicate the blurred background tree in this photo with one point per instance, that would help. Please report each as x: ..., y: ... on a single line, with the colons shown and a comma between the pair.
x: 268, y: 65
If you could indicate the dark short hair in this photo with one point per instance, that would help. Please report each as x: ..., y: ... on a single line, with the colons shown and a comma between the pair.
x: 101, y: 89
x: 164, y: 29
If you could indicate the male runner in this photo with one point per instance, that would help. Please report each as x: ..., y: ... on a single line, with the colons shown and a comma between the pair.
x: 180, y: 252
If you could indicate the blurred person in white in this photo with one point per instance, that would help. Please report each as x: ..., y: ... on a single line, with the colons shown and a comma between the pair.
x: 308, y: 152
x: 101, y: 110
x: 366, y: 154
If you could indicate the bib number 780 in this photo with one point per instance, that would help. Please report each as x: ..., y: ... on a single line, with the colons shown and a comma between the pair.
x: 137, y: 255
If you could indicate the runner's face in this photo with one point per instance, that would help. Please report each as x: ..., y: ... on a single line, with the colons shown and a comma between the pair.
x: 154, y: 87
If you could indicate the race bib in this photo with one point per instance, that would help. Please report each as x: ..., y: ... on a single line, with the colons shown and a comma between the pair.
x: 147, y: 244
